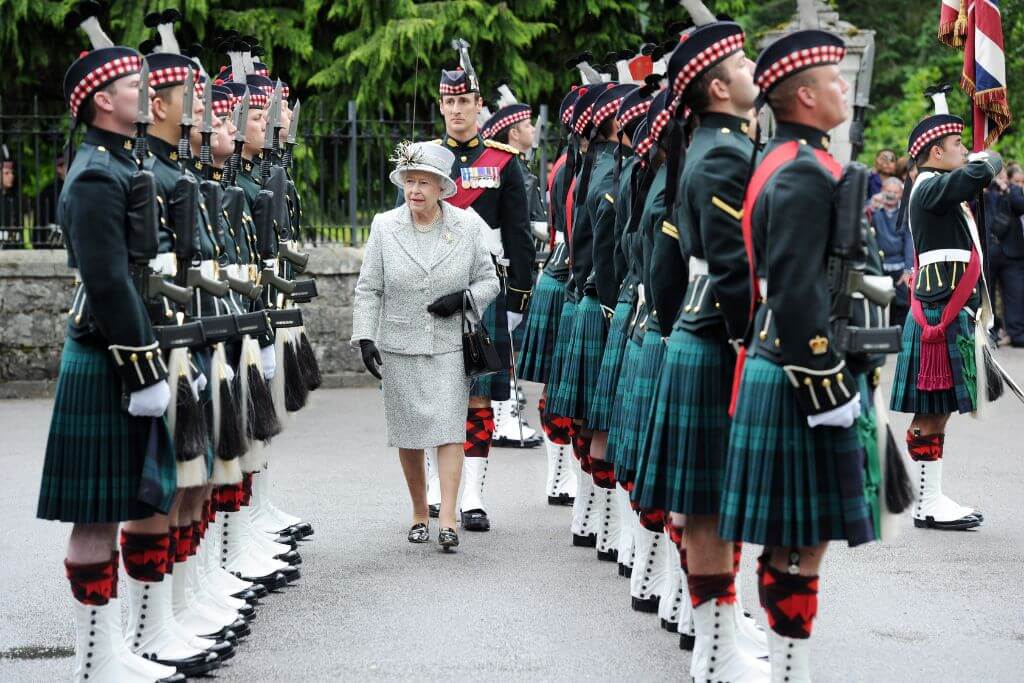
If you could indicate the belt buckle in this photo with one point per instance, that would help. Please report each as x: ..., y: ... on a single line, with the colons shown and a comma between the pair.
x: 254, y: 274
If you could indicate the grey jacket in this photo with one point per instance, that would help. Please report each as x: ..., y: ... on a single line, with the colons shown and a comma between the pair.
x: 395, y: 285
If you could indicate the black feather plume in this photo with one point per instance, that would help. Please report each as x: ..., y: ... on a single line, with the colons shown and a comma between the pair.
x: 189, y: 423
x: 295, y: 390
x: 231, y: 443
x: 262, y: 419
x: 308, y: 364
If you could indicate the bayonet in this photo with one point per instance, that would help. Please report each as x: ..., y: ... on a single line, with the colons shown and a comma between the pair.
x: 206, y: 127
x: 275, y: 103
x: 862, y: 98
x: 142, y: 115
x: 273, y: 112
x: 293, y: 129
x: 187, y: 104
x: 241, y: 118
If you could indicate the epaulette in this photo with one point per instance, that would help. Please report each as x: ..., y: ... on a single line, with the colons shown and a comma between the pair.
x: 436, y: 141
x: 493, y: 144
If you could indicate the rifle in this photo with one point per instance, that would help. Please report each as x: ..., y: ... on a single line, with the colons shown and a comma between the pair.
x: 845, y: 271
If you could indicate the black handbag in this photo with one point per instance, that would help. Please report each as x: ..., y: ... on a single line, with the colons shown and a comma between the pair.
x: 478, y: 352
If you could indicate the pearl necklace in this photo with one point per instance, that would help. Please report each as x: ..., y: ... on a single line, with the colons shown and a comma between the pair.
x: 429, y: 227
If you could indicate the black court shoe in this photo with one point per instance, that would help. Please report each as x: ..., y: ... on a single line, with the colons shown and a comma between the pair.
x: 447, y: 538
x: 419, y: 533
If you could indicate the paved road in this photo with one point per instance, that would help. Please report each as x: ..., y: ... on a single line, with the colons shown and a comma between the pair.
x: 519, y: 603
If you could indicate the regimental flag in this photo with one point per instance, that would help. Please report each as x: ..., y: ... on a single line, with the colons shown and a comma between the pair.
x: 977, y: 26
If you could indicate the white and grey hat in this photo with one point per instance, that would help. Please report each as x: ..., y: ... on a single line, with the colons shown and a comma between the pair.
x: 428, y: 157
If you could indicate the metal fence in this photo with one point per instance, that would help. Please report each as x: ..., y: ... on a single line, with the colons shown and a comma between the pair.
x: 341, y: 169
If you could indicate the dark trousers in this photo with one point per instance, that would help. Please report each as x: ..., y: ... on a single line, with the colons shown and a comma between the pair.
x: 1008, y: 277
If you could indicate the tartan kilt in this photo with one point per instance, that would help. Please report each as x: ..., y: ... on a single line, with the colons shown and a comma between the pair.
x: 623, y: 391
x: 688, y: 431
x: 496, y: 386
x: 560, y: 353
x: 541, y: 329
x: 601, y: 407
x: 907, y: 398
x: 639, y: 405
x: 582, y: 363
x: 787, y: 484
x: 99, y: 459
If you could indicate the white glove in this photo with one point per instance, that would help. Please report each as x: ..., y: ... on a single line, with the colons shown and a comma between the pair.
x: 151, y: 401
x: 269, y: 362
x: 514, y: 319
x: 978, y: 156
x: 843, y: 416
x: 198, y: 384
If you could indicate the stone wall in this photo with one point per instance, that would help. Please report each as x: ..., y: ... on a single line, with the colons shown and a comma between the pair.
x: 35, y: 293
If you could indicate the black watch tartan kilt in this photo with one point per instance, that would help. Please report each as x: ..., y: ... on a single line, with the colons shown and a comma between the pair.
x: 560, y: 354
x: 639, y: 406
x: 684, y: 462
x: 623, y: 396
x: 101, y: 463
x: 602, y: 405
x: 582, y: 362
x: 787, y: 484
x: 496, y: 386
x: 541, y: 329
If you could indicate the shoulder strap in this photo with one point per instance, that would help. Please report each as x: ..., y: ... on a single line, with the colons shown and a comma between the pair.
x: 465, y: 196
x: 774, y: 160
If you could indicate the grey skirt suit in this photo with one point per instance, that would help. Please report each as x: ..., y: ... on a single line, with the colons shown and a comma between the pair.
x: 426, y: 390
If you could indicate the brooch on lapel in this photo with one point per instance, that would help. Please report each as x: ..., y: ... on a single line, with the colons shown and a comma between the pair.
x: 481, y: 176
x: 447, y: 236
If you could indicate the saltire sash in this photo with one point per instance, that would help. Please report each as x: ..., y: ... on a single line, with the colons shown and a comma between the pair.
x: 465, y: 196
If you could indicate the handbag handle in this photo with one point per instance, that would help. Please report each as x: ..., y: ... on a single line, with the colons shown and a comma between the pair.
x: 467, y: 321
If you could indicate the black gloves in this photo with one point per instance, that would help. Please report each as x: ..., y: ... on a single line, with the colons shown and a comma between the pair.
x: 371, y: 357
x: 447, y: 306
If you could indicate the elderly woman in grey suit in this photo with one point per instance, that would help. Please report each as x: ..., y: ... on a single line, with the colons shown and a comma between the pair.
x: 419, y: 260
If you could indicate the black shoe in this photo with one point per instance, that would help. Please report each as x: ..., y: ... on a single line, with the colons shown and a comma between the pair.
x: 247, y: 612
x: 287, y: 540
x: 270, y: 582
x: 173, y: 678
x: 292, y: 557
x: 232, y: 632
x: 686, y: 642
x: 419, y: 533
x: 291, y: 574
x: 625, y: 570
x: 532, y: 442
x: 299, y: 531
x: 589, y: 541
x: 670, y: 626
x: 447, y: 538
x: 608, y: 555
x: 475, y: 520
x: 434, y: 511
x: 648, y: 605
x: 250, y: 595
x: 223, y: 649
x: 561, y: 499
x: 964, y: 523
x: 201, y: 663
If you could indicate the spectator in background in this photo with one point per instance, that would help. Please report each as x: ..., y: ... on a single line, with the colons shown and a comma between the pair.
x: 902, y: 168
x: 885, y: 167
x: 51, y: 192
x: 11, y: 205
x: 896, y: 245
x: 1004, y: 205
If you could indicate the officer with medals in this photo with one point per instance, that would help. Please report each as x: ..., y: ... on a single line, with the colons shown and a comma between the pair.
x: 713, y: 83
x: 511, y: 125
x: 110, y: 460
x: 944, y: 363
x: 794, y: 477
x: 490, y: 180
x: 541, y: 326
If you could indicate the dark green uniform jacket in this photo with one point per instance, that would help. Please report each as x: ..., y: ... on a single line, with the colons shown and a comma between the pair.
x: 558, y: 264
x: 939, y: 221
x: 791, y: 231
x: 585, y: 214
x: 93, y: 209
x: 707, y: 226
x: 654, y: 215
x: 612, y: 215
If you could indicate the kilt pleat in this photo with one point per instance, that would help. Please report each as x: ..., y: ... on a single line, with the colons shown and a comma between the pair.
x: 906, y: 397
x: 623, y: 393
x: 684, y: 459
x: 639, y: 405
x: 496, y: 386
x: 608, y: 374
x: 541, y: 328
x: 560, y: 353
x: 96, y: 454
x: 787, y: 484
x: 582, y: 362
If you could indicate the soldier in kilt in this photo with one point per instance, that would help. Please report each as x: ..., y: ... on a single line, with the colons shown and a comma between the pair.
x: 942, y: 366
x: 511, y: 125
x: 110, y: 461
x: 794, y: 476
x: 490, y: 180
x: 712, y: 78
x: 542, y: 328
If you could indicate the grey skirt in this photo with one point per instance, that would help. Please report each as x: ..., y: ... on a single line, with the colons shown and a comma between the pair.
x: 425, y: 399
